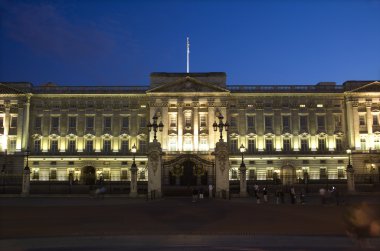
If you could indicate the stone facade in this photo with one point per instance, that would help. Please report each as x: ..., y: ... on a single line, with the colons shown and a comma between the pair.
x: 288, y: 131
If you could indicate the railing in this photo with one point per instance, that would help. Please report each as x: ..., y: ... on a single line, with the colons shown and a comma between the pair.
x: 285, y: 88
x: 89, y: 89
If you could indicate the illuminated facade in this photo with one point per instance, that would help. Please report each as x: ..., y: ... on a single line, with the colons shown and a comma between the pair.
x: 288, y: 131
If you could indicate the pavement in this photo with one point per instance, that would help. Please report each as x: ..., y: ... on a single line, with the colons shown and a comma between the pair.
x: 120, y: 223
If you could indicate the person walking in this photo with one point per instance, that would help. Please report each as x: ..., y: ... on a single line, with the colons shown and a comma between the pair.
x: 195, y: 194
x: 322, y: 194
x: 278, y: 196
x: 210, y: 188
x: 292, y: 195
x: 265, y: 194
x: 201, y: 193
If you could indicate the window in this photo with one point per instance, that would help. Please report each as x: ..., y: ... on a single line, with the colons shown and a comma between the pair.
x: 124, y: 174
x: 142, y: 121
x: 90, y: 123
x: 233, y: 121
x: 234, y: 174
x: 319, y: 105
x: 268, y: 122
x: 37, y: 146
x: 203, y: 122
x: 12, y: 145
x: 187, y: 120
x: 304, y: 145
x: 341, y: 173
x: 125, y: 122
x: 38, y: 122
x: 233, y: 145
x: 187, y: 144
x: 54, y: 146
x: 107, y: 123
x: 72, y: 123
x: 106, y: 146
x: 203, y: 144
x: 321, y: 123
x: 106, y: 174
x: 286, y: 145
x: 286, y: 122
x: 173, y: 143
x: 13, y: 122
x: 72, y: 147
x: 173, y: 120
x: 53, y: 174
x: 142, y: 146
x: 338, y: 145
x: 375, y: 120
x: 322, y: 144
x: 322, y: 173
x: 251, y: 174
x: 35, y: 173
x: 363, y: 144
x: 124, y: 146
x: 304, y: 122
x: 376, y: 143
x: 89, y: 146
x: 338, y: 121
x: 1, y: 122
x: 142, y: 175
x: 269, y: 173
x: 54, y: 123
x: 269, y: 145
x: 362, y: 121
x: 251, y: 122
x: 251, y: 145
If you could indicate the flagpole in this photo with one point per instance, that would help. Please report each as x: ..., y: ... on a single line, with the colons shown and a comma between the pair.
x: 188, y: 54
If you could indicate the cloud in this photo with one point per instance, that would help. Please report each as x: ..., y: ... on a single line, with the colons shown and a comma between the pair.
x: 45, y: 30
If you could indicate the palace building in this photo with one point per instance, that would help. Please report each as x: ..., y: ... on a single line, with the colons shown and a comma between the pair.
x: 289, y: 131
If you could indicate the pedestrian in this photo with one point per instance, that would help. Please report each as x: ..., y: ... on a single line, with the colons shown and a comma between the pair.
x: 265, y: 194
x: 195, y: 194
x: 278, y: 196
x: 282, y: 196
x: 201, y: 193
x: 322, y: 194
x: 210, y: 188
x: 292, y: 195
x: 302, y: 197
x: 255, y: 191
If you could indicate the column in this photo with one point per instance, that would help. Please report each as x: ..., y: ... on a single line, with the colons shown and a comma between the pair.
x: 350, y: 126
x: 25, y: 135
x: 260, y: 130
x: 222, y: 167
x: 180, y: 127
x: 211, y: 133
x: 20, y: 125
x: 166, y: 122
x: 370, y: 138
x: 196, y: 129
x: 6, y: 126
x: 356, y: 126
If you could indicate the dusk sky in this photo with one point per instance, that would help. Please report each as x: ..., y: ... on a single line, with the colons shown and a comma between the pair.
x: 254, y: 42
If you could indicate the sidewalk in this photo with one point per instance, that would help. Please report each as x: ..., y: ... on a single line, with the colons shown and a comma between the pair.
x: 189, y: 242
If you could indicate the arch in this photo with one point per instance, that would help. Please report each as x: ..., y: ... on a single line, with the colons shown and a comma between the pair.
x: 288, y: 174
x: 88, y: 175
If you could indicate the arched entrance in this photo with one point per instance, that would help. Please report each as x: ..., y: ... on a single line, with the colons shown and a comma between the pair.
x: 88, y: 176
x: 288, y: 175
x: 188, y: 177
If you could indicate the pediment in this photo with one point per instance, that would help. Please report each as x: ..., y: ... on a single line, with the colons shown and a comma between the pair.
x: 371, y: 87
x: 188, y: 84
x: 7, y: 90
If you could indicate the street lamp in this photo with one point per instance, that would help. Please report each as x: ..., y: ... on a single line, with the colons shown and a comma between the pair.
x: 243, y: 169
x: 133, y: 150
x: 27, y: 153
x: 221, y: 125
x: 349, y: 166
x: 133, y: 189
x: 155, y: 126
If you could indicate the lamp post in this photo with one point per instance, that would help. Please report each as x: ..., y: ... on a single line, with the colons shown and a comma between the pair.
x: 350, y: 174
x: 155, y: 126
x: 220, y: 125
x: 26, y: 176
x: 133, y: 188
x: 243, y: 173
